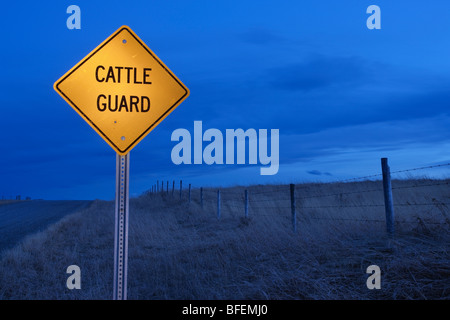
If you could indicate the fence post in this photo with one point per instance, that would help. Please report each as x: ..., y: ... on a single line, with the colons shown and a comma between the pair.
x: 181, y: 187
x: 173, y: 187
x: 201, y: 197
x: 167, y: 187
x: 218, y: 204
x: 294, y: 215
x: 246, y: 203
x: 189, y: 193
x: 157, y: 185
x: 388, y: 200
x: 162, y: 186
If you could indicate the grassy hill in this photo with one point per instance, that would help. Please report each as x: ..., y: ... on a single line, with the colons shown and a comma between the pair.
x: 182, y: 251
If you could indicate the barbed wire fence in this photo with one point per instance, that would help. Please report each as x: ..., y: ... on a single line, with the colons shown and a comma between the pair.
x: 294, y: 198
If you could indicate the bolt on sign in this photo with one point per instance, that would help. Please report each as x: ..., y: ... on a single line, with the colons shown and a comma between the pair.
x: 122, y: 89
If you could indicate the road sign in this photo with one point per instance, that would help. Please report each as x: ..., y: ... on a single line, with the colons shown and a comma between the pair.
x: 122, y: 89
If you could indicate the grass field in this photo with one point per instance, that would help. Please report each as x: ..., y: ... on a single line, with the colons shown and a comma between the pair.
x: 181, y: 251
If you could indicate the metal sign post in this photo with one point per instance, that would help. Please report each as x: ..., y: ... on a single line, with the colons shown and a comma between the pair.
x: 121, y: 227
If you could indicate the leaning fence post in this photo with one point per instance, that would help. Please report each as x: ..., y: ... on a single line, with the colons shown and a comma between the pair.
x: 294, y: 215
x: 189, y: 193
x: 246, y: 203
x: 201, y: 197
x: 181, y: 187
x: 218, y: 204
x: 388, y: 200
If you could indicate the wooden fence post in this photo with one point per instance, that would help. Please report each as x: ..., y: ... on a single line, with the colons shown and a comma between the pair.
x: 388, y: 200
x: 181, y: 187
x: 167, y: 187
x: 246, y: 203
x: 189, y: 193
x: 218, y: 204
x: 201, y: 197
x: 294, y: 215
x: 157, y: 185
x: 173, y: 187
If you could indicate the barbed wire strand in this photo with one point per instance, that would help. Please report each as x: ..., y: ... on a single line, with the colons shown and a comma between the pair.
x: 423, y: 185
x: 421, y: 168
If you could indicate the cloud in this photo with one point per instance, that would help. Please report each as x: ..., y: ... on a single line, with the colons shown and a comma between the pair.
x: 318, y: 173
x: 318, y: 72
x: 381, y: 136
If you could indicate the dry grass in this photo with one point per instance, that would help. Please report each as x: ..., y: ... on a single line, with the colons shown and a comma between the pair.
x: 181, y: 251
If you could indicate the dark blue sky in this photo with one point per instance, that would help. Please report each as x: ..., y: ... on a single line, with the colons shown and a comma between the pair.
x: 342, y: 96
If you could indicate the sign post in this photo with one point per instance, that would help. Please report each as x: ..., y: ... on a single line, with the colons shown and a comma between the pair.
x: 121, y: 227
x: 123, y: 91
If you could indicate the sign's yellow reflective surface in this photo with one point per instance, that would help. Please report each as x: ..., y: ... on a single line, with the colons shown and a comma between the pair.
x: 122, y: 89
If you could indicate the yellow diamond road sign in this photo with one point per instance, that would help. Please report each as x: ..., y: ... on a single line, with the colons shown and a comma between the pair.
x: 122, y: 89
